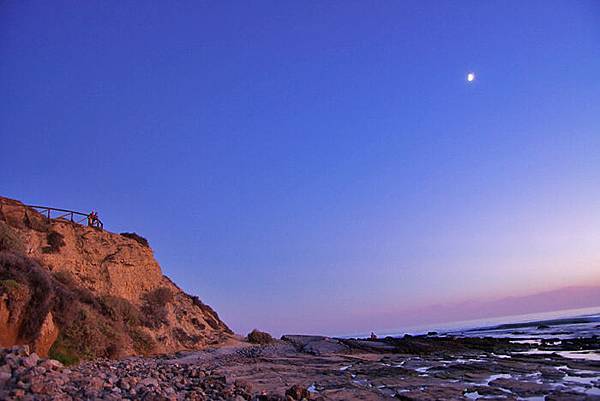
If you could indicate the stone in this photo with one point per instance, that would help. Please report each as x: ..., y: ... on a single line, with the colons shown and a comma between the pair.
x: 96, y: 383
x: 149, y: 382
x: 51, y: 364
x: 298, y: 393
x: 12, y: 360
x: 47, y: 335
x: 4, y: 377
x: 37, y: 386
x: 31, y: 360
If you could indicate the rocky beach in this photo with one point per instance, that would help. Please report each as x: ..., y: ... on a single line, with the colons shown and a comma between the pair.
x: 321, y: 368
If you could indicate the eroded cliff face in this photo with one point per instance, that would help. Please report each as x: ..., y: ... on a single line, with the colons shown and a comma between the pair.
x: 62, y: 284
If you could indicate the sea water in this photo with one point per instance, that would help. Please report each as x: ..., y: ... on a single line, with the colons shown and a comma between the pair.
x: 562, y: 324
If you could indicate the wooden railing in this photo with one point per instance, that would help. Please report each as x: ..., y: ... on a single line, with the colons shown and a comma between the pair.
x: 53, y: 213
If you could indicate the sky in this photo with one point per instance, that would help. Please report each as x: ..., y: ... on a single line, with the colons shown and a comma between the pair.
x: 318, y: 167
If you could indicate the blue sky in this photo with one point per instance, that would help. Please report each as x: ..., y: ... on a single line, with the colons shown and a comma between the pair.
x: 296, y: 164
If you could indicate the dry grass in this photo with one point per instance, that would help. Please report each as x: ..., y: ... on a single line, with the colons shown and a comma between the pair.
x: 9, y: 240
x: 143, y: 343
x: 154, y: 311
x: 82, y: 294
x: 210, y: 316
x: 120, y: 310
x: 90, y: 335
x: 160, y: 296
x: 140, y: 240
x: 25, y: 271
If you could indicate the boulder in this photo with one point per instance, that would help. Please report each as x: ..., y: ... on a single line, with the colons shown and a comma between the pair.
x: 316, y: 345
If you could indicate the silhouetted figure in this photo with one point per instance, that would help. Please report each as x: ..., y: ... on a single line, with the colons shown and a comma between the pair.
x: 93, y: 219
x: 373, y: 336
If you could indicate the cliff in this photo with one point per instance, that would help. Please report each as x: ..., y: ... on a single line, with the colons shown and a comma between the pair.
x: 76, y: 292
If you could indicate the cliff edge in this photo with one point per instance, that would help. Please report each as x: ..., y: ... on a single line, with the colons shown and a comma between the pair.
x: 74, y: 292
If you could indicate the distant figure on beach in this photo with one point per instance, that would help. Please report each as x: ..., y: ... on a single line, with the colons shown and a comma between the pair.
x: 373, y: 336
x: 92, y: 218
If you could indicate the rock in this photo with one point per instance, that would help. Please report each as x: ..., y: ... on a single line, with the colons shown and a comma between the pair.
x: 95, y: 383
x: 316, y: 345
x: 51, y: 364
x: 522, y: 388
x: 47, y: 334
x: 149, y: 382
x: 4, y: 377
x: 12, y: 360
x: 31, y: 360
x: 37, y: 386
x: 297, y: 393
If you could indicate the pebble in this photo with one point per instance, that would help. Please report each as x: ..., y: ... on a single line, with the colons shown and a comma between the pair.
x: 26, y: 376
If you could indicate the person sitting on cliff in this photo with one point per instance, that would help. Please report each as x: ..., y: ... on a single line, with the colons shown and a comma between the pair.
x: 92, y: 218
x: 373, y: 336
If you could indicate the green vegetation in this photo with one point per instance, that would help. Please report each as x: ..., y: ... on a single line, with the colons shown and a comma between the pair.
x: 62, y: 352
x: 8, y: 285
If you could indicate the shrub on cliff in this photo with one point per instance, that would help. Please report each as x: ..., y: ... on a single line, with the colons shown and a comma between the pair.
x: 154, y: 309
x: 17, y: 296
x: 160, y: 296
x: 55, y: 242
x: 89, y: 335
x: 25, y: 271
x: 143, y: 343
x: 210, y: 316
x: 259, y: 337
x: 9, y: 240
x: 82, y: 294
x: 120, y: 310
x: 140, y: 240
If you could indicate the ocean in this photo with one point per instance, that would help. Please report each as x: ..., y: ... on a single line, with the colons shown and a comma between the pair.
x: 568, y: 323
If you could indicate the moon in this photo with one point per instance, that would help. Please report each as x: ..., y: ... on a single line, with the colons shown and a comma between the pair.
x: 471, y: 77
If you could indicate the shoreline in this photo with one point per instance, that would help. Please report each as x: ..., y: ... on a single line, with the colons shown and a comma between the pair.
x: 562, y: 316
x: 323, y: 368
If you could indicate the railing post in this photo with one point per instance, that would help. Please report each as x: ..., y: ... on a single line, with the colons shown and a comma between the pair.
x: 47, y: 212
